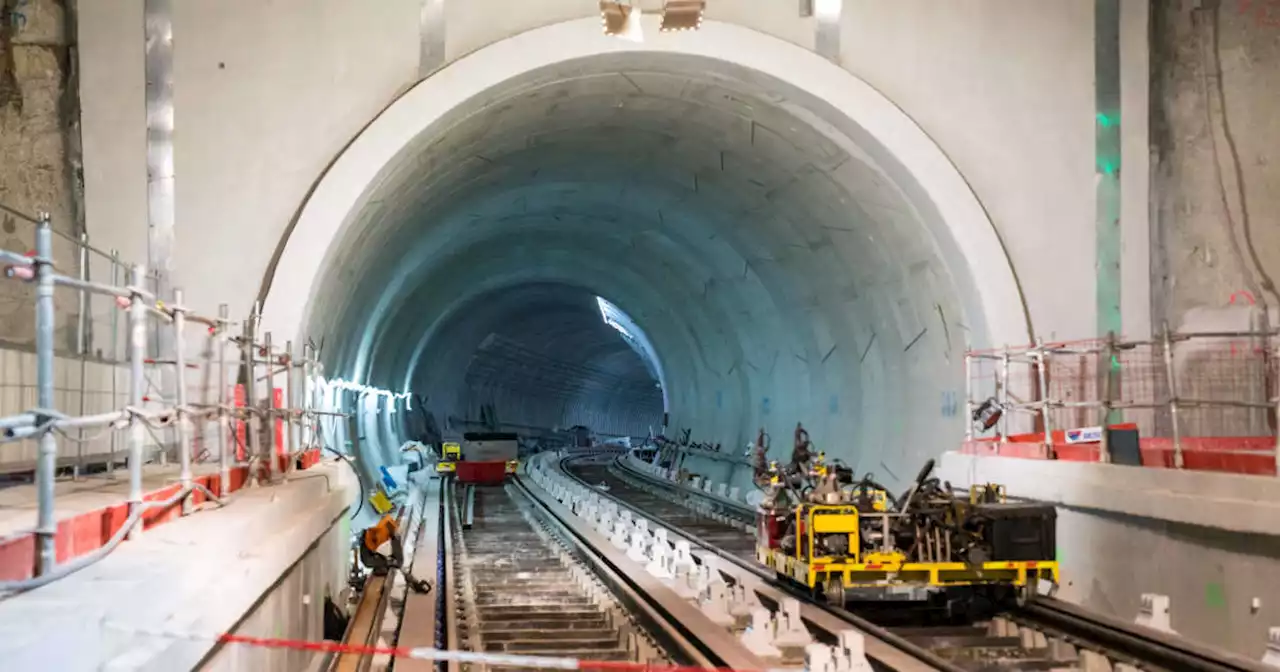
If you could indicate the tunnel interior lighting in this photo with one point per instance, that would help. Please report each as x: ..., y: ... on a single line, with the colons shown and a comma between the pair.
x: 364, y: 390
x: 682, y: 15
x: 621, y: 19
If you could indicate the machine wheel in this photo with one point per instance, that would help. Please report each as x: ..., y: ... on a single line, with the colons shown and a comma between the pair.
x: 835, y: 593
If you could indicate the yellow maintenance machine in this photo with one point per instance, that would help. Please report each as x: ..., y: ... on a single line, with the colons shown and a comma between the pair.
x: 451, y: 454
x: 852, y: 541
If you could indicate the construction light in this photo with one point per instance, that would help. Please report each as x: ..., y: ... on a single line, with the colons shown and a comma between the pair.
x: 621, y: 19
x: 682, y: 15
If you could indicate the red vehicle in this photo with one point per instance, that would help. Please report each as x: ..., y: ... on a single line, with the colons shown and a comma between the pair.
x: 488, y: 457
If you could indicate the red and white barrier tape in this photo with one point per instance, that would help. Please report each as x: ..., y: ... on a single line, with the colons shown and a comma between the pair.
x: 424, y: 653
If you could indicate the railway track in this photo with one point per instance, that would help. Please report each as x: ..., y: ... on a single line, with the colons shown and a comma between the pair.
x: 729, y: 533
x: 1046, y: 635
x: 521, y: 589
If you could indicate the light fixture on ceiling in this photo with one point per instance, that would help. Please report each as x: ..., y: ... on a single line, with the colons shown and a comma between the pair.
x: 682, y: 15
x: 621, y: 19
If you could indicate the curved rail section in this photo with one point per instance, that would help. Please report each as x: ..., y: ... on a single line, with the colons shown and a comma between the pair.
x: 1047, y: 634
x: 779, y: 630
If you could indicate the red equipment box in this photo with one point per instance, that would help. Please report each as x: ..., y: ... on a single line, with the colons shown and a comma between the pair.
x: 770, y: 528
x: 482, y: 472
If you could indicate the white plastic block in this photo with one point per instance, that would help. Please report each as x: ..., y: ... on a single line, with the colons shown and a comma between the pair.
x: 621, y: 529
x: 715, y: 604
x: 758, y: 637
x: 638, y: 549
x: 711, y: 566
x: 682, y: 562
x: 818, y: 658
x: 658, y: 563
x: 789, y: 629
x: 1272, y: 656
x: 1154, y: 613
x: 851, y: 652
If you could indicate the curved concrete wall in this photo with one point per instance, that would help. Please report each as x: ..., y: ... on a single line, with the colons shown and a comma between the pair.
x: 810, y: 252
x: 789, y: 245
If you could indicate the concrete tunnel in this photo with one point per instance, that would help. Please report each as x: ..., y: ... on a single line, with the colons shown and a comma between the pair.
x: 795, y: 250
x: 795, y: 215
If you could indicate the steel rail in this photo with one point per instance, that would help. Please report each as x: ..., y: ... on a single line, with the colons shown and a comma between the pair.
x: 420, y: 616
x: 1121, y: 640
x: 1125, y: 642
x: 884, y: 649
x: 655, y: 603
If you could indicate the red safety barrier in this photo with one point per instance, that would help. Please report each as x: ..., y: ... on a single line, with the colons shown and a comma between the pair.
x: 1250, y: 455
x: 87, y: 532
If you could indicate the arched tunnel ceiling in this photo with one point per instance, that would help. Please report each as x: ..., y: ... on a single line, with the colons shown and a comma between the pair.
x: 780, y: 274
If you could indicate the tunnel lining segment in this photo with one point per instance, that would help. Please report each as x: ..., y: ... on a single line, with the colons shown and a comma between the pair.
x: 341, y: 193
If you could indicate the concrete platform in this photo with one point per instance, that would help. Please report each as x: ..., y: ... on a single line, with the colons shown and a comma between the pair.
x: 72, y: 498
x: 207, y: 573
x: 1209, y: 541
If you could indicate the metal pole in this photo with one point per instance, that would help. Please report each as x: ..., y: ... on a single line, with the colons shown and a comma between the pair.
x: 115, y: 359
x: 1004, y: 396
x: 1104, y: 445
x: 269, y: 416
x: 1042, y: 372
x: 47, y: 464
x: 1173, y: 398
x: 968, y: 395
x: 251, y: 424
x: 184, y: 422
x: 1258, y: 323
x: 224, y: 460
x: 307, y: 400
x: 137, y: 381
x: 291, y: 405
x: 82, y: 326
x: 1270, y: 335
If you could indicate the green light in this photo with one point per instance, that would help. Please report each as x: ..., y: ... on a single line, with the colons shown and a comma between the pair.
x: 1108, y: 120
x: 1107, y: 167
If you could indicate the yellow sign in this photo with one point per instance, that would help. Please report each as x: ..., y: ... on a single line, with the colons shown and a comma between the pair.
x: 380, y: 502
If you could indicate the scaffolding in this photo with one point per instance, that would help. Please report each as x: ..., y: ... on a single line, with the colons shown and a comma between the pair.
x: 1183, y: 386
x: 282, y: 433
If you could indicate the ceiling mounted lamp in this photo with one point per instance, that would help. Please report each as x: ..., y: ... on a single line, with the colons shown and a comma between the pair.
x: 621, y: 19
x: 682, y: 15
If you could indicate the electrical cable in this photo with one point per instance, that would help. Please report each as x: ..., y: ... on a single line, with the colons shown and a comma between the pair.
x: 359, y: 481
x: 63, y: 571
